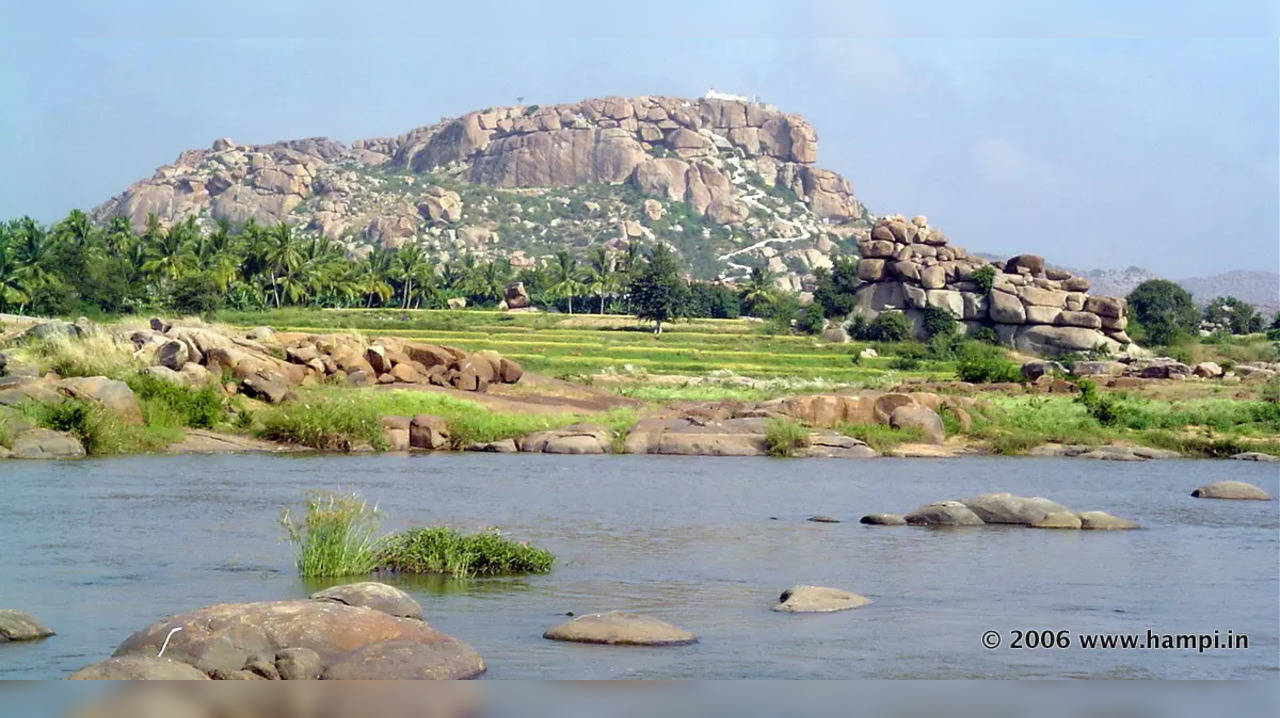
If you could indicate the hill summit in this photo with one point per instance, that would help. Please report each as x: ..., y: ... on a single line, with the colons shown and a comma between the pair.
x: 730, y: 183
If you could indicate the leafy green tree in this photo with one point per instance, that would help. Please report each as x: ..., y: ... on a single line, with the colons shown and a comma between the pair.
x: 889, y: 327
x: 1233, y: 315
x: 811, y: 319
x: 835, y: 289
x: 1164, y: 310
x: 657, y: 292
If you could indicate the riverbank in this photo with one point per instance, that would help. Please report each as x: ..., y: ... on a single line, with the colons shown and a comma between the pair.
x: 77, y: 389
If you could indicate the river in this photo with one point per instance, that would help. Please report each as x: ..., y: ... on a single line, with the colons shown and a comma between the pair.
x: 97, y: 549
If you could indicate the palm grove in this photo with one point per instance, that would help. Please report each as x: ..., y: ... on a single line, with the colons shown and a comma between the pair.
x: 77, y: 267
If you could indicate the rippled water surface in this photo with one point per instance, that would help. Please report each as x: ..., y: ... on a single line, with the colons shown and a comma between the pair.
x: 100, y: 548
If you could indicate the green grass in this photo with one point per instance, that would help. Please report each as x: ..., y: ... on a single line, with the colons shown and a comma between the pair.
x: 584, y: 344
x: 880, y: 437
x: 95, y: 355
x: 444, y: 550
x: 336, y: 536
x: 468, y: 421
x: 785, y: 437
x: 341, y: 424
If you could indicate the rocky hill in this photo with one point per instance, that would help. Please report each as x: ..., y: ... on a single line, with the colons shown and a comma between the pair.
x: 730, y: 183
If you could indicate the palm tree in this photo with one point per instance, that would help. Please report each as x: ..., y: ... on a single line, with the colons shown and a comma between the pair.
x: 280, y: 252
x: 564, y: 278
x: 12, y: 290
x: 759, y: 288
x: 490, y: 280
x: 410, y: 264
x: 601, y: 274
x: 371, y: 276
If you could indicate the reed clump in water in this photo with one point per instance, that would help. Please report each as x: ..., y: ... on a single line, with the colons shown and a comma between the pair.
x: 337, y: 537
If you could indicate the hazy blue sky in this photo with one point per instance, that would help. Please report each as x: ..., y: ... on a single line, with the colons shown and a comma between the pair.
x: 1101, y: 134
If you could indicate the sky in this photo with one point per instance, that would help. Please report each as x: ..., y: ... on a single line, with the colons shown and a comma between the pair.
x: 1099, y: 134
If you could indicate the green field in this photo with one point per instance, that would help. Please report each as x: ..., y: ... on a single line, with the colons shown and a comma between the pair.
x: 577, y: 345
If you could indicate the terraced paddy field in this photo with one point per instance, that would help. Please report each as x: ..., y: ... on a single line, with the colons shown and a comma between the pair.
x: 576, y: 346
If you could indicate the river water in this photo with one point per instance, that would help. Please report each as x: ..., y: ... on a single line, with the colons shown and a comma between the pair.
x: 100, y: 548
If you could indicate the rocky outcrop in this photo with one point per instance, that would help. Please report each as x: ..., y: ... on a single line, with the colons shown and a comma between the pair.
x: 278, y: 639
x: 911, y: 267
x: 732, y: 162
x: 1238, y: 490
x: 818, y: 599
x: 620, y: 629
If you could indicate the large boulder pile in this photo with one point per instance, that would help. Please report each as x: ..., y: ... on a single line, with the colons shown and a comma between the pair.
x: 341, y: 633
x: 909, y: 266
x: 270, y: 365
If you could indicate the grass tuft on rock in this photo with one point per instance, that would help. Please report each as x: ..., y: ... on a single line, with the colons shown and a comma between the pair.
x: 336, y: 537
x: 784, y: 437
x: 94, y: 355
x: 443, y: 550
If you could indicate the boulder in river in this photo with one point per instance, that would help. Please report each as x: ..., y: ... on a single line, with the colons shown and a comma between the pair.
x: 1103, y: 521
x: 138, y: 668
x: 883, y: 520
x: 818, y: 599
x: 616, y: 628
x: 371, y: 594
x: 20, y: 626
x: 1057, y: 520
x: 1231, y: 490
x: 227, y: 637
x: 1255, y: 456
x: 820, y: 519
x: 1005, y: 508
x: 944, y: 513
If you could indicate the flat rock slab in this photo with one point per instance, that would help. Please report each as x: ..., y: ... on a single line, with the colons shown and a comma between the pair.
x: 1255, y: 456
x: 823, y: 520
x: 20, y: 626
x: 1238, y: 490
x: 620, y: 629
x: 818, y: 599
x: 138, y: 668
x: 371, y: 594
x: 203, y: 441
x: 407, y: 660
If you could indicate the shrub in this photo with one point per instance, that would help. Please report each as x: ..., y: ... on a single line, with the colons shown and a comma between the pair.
x: 200, y: 408
x: 1270, y: 391
x: 326, y: 425
x: 984, y: 277
x: 904, y: 363
x: 889, y: 327
x: 811, y: 319
x: 443, y: 550
x: 981, y: 364
x: 336, y: 537
x: 938, y: 321
x: 986, y: 335
x: 783, y: 437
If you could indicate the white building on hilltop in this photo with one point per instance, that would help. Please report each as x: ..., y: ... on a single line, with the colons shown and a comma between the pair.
x: 714, y: 94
